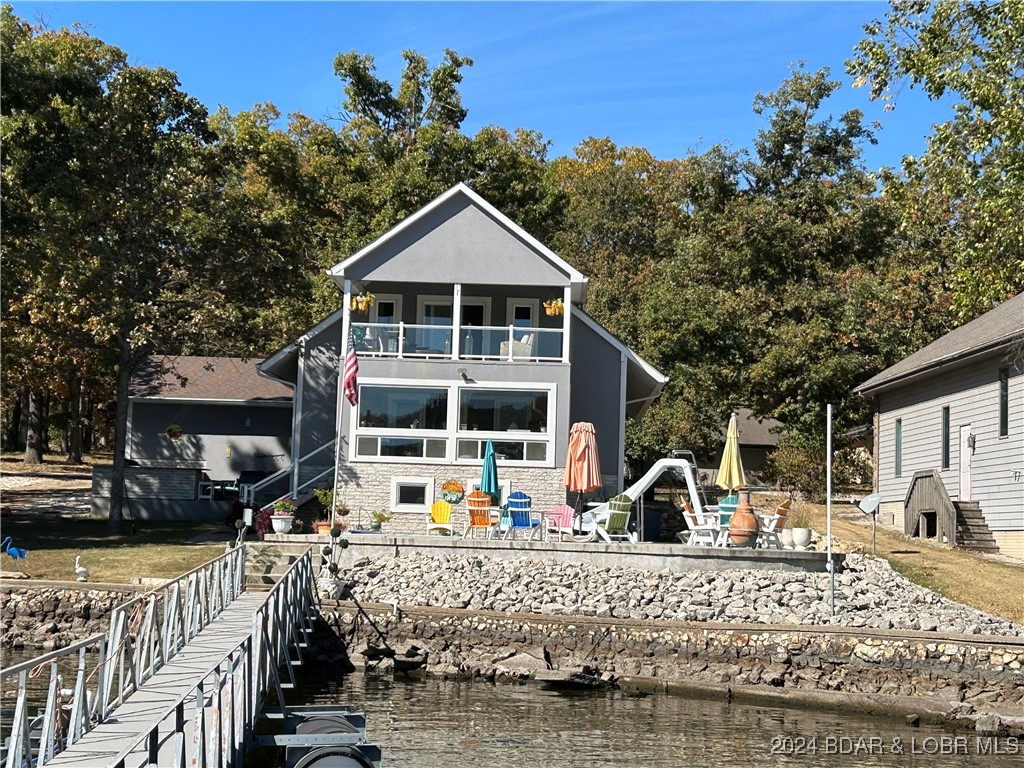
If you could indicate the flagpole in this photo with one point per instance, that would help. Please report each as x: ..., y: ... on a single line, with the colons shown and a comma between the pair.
x: 828, y: 508
x: 342, y: 355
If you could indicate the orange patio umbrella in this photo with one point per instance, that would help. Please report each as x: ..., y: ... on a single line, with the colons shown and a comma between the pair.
x: 582, y: 464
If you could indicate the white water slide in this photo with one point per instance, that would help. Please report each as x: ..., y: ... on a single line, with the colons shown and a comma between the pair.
x: 681, y: 468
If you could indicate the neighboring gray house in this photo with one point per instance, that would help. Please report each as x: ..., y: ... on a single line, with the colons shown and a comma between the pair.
x: 197, y: 426
x: 949, y: 434
x: 457, y: 348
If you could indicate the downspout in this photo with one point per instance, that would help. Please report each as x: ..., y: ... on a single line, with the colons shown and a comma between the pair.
x: 620, y: 463
x: 300, y: 381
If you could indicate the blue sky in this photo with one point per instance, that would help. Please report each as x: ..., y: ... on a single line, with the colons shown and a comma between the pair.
x: 669, y: 76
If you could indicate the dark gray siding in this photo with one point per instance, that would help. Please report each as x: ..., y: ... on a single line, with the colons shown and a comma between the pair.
x: 596, y: 395
x: 215, y: 436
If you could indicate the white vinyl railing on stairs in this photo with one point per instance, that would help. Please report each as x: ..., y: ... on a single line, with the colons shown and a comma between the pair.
x: 315, y: 470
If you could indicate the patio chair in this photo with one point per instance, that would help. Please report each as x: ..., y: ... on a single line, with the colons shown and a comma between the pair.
x: 705, y: 527
x: 439, y: 518
x: 520, y: 516
x: 523, y: 348
x: 559, y: 521
x: 768, y: 535
x: 615, y: 525
x: 479, y: 505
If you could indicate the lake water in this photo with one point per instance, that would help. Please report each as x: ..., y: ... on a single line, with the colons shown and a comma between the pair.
x: 429, y: 722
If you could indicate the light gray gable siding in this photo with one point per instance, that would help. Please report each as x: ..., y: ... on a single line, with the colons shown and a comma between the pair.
x: 597, y: 393
x: 972, y: 394
x: 458, y: 242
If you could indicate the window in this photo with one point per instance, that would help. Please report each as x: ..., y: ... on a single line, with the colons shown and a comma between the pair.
x: 451, y: 423
x: 411, y: 494
x: 494, y: 410
x: 945, y: 437
x: 899, y: 448
x: 1004, y: 402
x: 522, y: 313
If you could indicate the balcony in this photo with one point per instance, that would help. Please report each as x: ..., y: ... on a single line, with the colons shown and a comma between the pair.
x: 473, y: 342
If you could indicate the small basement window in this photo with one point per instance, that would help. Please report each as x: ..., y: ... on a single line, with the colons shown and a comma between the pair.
x: 411, y: 494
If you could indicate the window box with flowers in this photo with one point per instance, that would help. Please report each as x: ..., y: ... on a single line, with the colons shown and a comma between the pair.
x: 554, y: 307
x: 452, y: 491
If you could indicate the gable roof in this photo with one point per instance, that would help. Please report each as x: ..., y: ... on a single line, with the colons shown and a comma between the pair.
x: 576, y: 278
x: 229, y: 379
x: 754, y: 431
x: 993, y: 330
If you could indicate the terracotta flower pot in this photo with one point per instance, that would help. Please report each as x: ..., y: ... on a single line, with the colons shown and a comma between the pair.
x: 743, y: 525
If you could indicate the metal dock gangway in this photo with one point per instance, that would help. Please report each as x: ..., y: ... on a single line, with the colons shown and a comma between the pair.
x: 181, y: 678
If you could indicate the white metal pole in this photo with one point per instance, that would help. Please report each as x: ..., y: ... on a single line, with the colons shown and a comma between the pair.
x: 828, y: 508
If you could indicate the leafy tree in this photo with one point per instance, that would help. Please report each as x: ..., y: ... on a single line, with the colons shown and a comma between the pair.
x: 971, y: 175
x: 120, y: 238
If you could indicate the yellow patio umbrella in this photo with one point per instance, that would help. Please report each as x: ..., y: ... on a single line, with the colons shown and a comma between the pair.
x: 730, y: 471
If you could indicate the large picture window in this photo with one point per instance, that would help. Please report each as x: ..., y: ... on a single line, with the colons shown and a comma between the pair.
x: 493, y: 410
x: 451, y: 423
x: 403, y: 407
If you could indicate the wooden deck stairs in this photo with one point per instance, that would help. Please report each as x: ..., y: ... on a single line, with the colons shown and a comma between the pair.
x: 972, y: 531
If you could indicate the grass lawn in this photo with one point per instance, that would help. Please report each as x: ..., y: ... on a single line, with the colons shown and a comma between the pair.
x: 981, y: 582
x: 157, y: 550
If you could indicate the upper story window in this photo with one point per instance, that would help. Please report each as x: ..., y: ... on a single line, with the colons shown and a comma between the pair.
x: 395, y: 407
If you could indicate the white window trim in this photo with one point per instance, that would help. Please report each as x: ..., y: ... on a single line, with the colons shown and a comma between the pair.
x: 452, y: 434
x: 407, y: 509
x: 504, y: 486
x: 396, y: 298
x: 533, y: 304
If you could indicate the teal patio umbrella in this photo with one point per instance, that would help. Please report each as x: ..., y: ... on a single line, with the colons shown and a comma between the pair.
x: 489, y: 474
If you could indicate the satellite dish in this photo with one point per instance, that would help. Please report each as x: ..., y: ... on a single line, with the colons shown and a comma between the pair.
x: 869, y: 504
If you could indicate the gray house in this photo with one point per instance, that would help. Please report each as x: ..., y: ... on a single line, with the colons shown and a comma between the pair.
x: 949, y: 435
x: 456, y: 348
x: 197, y: 428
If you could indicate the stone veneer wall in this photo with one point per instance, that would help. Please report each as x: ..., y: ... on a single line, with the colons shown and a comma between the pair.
x: 367, y: 487
x: 960, y: 669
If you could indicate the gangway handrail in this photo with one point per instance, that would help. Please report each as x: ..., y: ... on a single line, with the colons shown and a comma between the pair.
x: 146, y: 632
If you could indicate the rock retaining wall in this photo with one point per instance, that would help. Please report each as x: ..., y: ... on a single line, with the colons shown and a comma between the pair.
x: 54, y: 615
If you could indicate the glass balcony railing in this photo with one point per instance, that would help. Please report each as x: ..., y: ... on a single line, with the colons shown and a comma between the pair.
x: 510, y: 343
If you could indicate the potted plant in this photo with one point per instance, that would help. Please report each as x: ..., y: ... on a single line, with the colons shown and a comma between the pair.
x: 379, y: 517
x: 554, y: 307
x: 325, y: 519
x: 283, y: 515
x: 362, y: 301
x: 799, y: 522
x: 452, y: 491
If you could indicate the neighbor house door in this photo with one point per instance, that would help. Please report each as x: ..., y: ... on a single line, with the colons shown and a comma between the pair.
x: 966, y: 453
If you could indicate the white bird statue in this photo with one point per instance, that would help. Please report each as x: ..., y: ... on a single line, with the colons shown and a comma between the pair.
x: 80, y: 570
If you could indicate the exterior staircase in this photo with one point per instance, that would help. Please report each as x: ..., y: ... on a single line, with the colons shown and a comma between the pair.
x: 972, y: 532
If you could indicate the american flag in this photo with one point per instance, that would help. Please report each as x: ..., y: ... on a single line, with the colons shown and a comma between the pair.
x: 350, y: 385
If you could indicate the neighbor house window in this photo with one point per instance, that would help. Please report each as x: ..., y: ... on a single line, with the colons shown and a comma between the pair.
x: 899, y: 448
x: 945, y: 437
x: 1004, y: 402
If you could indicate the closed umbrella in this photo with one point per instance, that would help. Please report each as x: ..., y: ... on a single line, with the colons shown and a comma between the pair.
x: 489, y: 474
x: 582, y: 465
x: 730, y: 471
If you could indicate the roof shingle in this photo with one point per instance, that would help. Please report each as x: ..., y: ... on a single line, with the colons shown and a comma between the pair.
x: 204, y: 378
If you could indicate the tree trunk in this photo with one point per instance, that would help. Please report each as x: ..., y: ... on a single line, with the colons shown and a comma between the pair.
x: 12, y: 440
x: 34, y: 438
x: 75, y: 422
x: 87, y: 422
x: 124, y: 376
x: 26, y: 393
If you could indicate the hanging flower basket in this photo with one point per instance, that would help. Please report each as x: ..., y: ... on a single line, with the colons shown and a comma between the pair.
x: 554, y: 307
x: 362, y: 302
